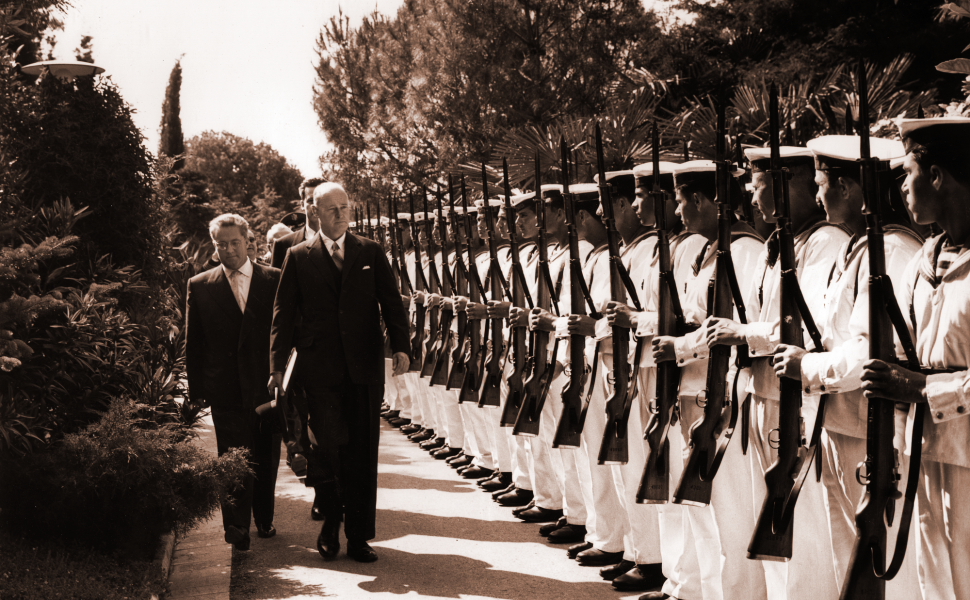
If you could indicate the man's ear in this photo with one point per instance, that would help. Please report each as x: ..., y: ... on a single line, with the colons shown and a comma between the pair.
x: 938, y: 176
x: 697, y: 199
x: 845, y: 187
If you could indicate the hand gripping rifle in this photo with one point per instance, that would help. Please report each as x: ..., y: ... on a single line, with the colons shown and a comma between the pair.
x: 462, y: 282
x: 427, y: 369
x: 474, y: 363
x: 614, y: 448
x: 570, y: 427
x: 422, y: 286
x: 520, y: 293
x: 439, y: 374
x: 655, y: 484
x: 493, y: 366
x: 773, y: 532
x: 866, y: 576
x: 537, y: 385
x: 706, y: 446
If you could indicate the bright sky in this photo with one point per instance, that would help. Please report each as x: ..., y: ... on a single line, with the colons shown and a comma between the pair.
x: 247, y: 65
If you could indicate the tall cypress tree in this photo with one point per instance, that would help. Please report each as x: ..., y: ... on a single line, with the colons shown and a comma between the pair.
x: 172, y: 143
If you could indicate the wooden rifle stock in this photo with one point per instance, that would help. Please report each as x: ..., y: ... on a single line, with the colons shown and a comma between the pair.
x: 773, y: 533
x: 439, y: 373
x: 491, y: 384
x: 614, y: 448
x: 706, y: 447
x: 434, y: 287
x: 536, y: 386
x: 655, y: 483
x: 515, y: 380
x: 474, y: 364
x: 456, y: 375
x: 865, y: 578
x: 420, y: 312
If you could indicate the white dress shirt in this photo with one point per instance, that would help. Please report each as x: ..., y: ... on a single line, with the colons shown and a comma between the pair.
x: 243, y: 278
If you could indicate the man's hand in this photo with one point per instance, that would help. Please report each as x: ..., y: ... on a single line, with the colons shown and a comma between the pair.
x: 518, y: 317
x: 542, y: 320
x: 405, y: 299
x: 461, y: 302
x: 663, y: 348
x: 892, y: 382
x: 787, y: 361
x: 275, y: 383
x: 620, y: 315
x: 581, y: 325
x: 432, y: 300
x: 475, y: 310
x: 723, y: 332
x: 400, y: 363
x: 419, y: 297
x: 498, y: 310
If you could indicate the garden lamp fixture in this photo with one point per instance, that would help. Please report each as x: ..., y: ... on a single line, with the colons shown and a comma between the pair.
x: 65, y: 70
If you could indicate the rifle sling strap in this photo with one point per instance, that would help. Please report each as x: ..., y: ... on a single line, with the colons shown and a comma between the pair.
x: 631, y: 289
x: 592, y: 375
x: 578, y: 273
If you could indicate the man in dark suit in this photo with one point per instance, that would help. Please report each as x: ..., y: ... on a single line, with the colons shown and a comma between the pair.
x: 228, y: 317
x: 304, y: 233
x: 339, y: 287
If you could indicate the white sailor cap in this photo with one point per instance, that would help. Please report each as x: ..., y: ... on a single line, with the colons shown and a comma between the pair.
x: 418, y: 217
x: 753, y: 154
x: 610, y: 175
x: 646, y: 169
x: 909, y: 126
x: 492, y: 202
x: 520, y: 199
x: 471, y: 209
x: 896, y: 162
x: 375, y: 222
x: 847, y: 148
x: 403, y: 216
x: 352, y: 224
x: 385, y: 221
x: 586, y: 196
x: 701, y: 166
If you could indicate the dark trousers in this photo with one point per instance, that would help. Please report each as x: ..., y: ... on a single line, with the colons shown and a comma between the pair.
x: 256, y: 496
x: 342, y: 463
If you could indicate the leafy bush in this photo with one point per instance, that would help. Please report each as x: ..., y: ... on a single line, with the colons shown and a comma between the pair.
x: 117, y: 485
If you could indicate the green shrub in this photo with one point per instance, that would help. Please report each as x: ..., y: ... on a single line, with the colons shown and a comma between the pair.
x: 116, y: 485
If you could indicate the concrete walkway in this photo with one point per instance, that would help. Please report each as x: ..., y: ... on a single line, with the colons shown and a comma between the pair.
x: 439, y: 536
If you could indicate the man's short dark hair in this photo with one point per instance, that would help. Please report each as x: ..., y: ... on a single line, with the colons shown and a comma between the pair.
x: 705, y: 182
x: 308, y: 184
x: 947, y: 147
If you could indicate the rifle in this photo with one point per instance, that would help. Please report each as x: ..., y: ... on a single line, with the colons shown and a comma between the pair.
x: 431, y: 343
x: 570, y: 427
x: 439, y: 373
x: 706, y: 447
x: 474, y: 364
x: 773, y: 532
x: 462, y: 282
x: 520, y: 293
x: 369, y: 226
x: 397, y: 250
x: 866, y: 576
x: 655, y: 483
x: 422, y: 285
x: 491, y: 385
x: 746, y: 209
x: 614, y: 448
x: 537, y: 385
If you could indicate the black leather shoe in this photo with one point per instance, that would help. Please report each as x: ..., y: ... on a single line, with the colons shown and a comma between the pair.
x: 573, y: 551
x: 475, y: 472
x: 548, y: 528
x: 507, y: 489
x: 328, y: 542
x: 598, y: 558
x: 237, y: 536
x: 521, y: 509
x: 266, y: 532
x: 410, y: 428
x: 445, y: 452
x: 316, y: 514
x: 640, y: 579
x: 658, y: 595
x: 459, y: 460
x: 537, y: 514
x: 361, y: 552
x: 399, y: 422
x: 613, y: 571
x: 500, y: 482
x: 390, y: 414
x: 421, y: 436
x: 432, y: 444
x: 570, y: 534
x: 517, y: 497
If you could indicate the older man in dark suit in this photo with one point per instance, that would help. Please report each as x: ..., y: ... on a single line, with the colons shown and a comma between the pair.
x: 228, y: 317
x: 339, y: 287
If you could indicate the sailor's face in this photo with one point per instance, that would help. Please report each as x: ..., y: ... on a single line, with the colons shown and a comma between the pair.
x: 829, y: 197
x: 923, y: 198
x: 761, y: 196
x: 526, y: 222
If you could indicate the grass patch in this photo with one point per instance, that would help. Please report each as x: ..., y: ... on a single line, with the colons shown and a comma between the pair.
x: 40, y: 570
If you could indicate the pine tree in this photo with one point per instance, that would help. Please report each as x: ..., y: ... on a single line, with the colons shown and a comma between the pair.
x: 171, y: 143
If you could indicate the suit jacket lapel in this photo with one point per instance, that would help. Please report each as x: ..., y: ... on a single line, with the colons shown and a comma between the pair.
x: 351, y: 252
x: 221, y: 290
x: 257, y: 288
x: 319, y: 258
